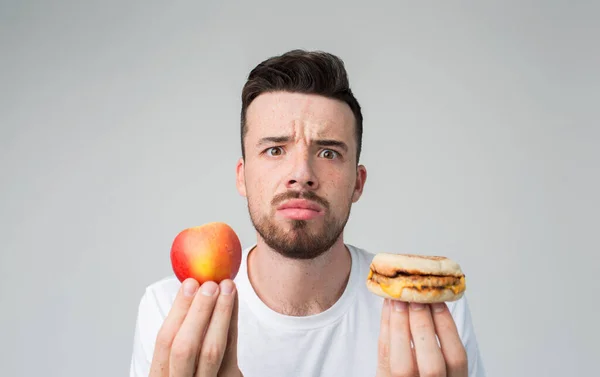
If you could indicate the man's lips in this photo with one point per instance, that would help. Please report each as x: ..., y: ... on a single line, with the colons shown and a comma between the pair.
x: 300, y: 209
x: 300, y: 204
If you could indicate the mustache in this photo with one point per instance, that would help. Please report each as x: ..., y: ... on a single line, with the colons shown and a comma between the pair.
x: 308, y: 195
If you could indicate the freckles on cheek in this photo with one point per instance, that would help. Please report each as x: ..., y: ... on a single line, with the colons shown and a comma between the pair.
x: 256, y: 187
x: 346, y: 181
x: 339, y: 179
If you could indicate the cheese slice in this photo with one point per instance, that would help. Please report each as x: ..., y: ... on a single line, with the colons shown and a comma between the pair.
x: 395, y: 286
x: 395, y: 289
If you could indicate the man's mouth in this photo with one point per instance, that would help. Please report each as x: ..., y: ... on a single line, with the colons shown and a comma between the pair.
x: 300, y: 209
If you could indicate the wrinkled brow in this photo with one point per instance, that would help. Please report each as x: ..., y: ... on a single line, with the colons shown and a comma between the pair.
x: 284, y: 139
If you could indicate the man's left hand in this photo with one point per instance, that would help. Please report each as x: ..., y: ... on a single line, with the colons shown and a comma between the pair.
x: 402, y: 323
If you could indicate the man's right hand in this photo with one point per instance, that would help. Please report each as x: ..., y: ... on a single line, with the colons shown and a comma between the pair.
x: 199, y: 336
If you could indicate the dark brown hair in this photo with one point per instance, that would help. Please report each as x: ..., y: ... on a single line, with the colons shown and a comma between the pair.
x: 300, y: 71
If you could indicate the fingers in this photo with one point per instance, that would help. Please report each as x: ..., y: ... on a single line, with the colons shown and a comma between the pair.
x: 452, y: 348
x: 402, y: 362
x: 170, y: 327
x: 215, y: 340
x: 187, y: 342
x: 430, y: 361
x: 230, y: 356
x: 383, y: 352
x: 424, y: 325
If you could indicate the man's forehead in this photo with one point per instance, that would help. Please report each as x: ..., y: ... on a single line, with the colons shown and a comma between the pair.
x: 283, y: 112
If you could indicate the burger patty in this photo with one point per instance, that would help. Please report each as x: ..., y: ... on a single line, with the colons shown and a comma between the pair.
x: 419, y: 282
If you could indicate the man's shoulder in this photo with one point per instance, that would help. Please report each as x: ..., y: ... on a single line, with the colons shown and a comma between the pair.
x: 161, y: 293
x: 362, y: 254
x: 169, y: 283
x: 362, y: 257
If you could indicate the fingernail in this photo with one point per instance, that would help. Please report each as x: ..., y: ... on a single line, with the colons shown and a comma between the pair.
x: 189, y: 288
x: 439, y: 307
x: 209, y: 288
x: 400, y: 306
x: 417, y: 306
x: 226, y: 287
x: 386, y: 302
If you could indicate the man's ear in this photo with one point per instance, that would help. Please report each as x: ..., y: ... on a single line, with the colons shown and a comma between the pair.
x: 240, y: 180
x: 361, y: 178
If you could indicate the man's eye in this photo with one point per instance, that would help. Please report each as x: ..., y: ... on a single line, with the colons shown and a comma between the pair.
x: 329, y: 154
x: 275, y: 151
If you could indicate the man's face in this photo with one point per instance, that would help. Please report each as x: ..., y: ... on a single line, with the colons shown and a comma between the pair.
x: 299, y: 174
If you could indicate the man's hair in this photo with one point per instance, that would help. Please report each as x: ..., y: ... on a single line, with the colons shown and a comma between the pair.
x: 300, y: 71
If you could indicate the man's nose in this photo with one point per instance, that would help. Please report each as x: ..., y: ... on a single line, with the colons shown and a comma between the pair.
x: 302, y: 175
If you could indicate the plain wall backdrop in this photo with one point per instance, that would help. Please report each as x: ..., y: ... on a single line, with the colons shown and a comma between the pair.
x: 119, y: 127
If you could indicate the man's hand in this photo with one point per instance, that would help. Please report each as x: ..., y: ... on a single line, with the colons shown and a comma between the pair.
x: 402, y: 323
x: 199, y: 336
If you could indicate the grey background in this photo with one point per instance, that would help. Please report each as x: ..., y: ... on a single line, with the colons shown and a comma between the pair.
x: 119, y: 128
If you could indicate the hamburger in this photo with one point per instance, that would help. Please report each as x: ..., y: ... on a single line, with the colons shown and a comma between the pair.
x: 415, y: 278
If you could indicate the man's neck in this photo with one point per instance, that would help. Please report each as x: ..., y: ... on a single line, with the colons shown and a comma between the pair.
x: 299, y: 287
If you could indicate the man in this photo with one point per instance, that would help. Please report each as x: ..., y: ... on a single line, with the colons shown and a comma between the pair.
x: 299, y: 305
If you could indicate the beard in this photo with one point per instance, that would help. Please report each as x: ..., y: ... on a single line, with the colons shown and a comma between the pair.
x: 299, y: 242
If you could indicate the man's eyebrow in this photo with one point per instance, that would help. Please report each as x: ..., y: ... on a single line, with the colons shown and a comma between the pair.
x: 273, y: 140
x: 332, y: 143
x: 285, y: 139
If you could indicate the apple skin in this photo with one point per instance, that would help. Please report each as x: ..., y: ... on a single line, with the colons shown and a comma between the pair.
x: 209, y: 252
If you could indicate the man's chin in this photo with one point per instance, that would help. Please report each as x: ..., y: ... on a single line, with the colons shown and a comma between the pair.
x: 296, y: 242
x: 297, y: 238
x: 301, y: 228
x: 298, y: 248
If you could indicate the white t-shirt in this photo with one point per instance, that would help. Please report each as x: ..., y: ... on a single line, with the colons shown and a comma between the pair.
x: 341, y: 341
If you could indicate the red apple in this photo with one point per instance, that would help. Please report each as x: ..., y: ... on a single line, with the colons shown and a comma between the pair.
x: 207, y: 252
